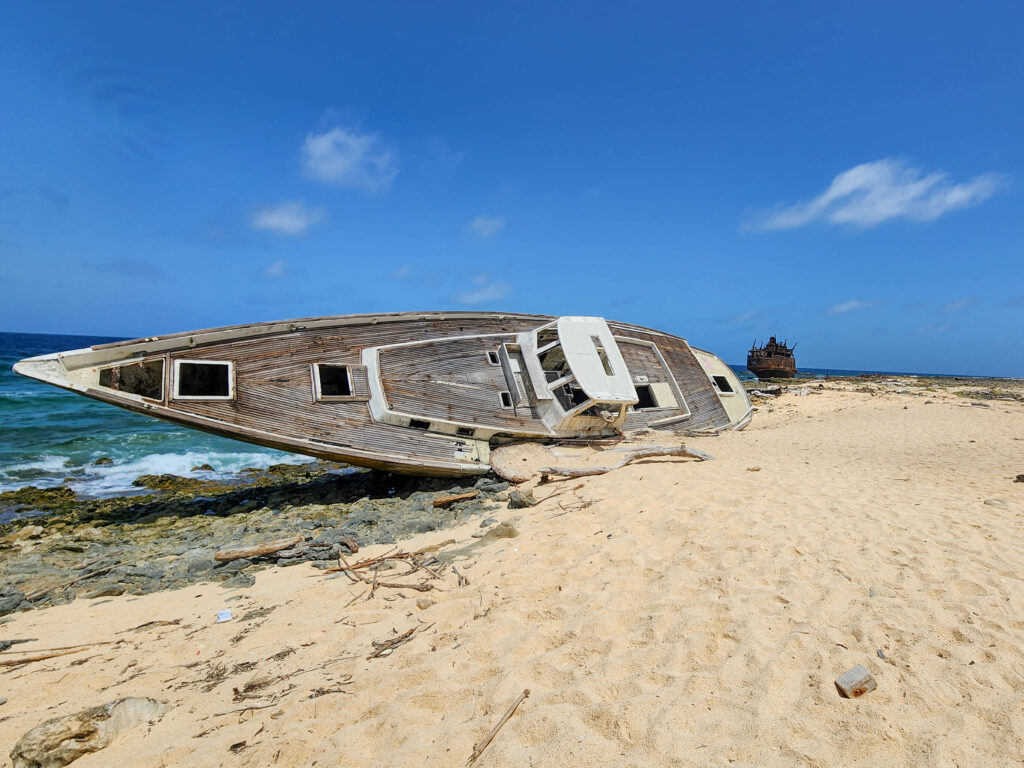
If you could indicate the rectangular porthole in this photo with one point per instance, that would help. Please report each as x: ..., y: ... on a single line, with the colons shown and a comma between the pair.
x: 332, y: 381
x: 465, y: 432
x: 492, y: 358
x: 506, y: 399
x: 722, y: 383
x: 203, y: 380
x: 646, y: 397
x: 419, y: 424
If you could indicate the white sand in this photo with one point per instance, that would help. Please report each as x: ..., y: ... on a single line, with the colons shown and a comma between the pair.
x: 692, y: 614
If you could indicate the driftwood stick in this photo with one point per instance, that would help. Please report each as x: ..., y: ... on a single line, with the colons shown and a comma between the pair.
x: 479, y: 748
x: 41, y: 656
x: 47, y: 590
x: 640, y: 453
x: 260, y: 550
x: 246, y: 708
x: 447, y: 501
x: 66, y: 647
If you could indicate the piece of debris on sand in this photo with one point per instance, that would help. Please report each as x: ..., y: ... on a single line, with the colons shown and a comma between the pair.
x: 62, y: 740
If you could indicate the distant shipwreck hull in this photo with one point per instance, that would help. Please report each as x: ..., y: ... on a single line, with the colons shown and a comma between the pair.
x: 772, y: 360
x: 419, y: 393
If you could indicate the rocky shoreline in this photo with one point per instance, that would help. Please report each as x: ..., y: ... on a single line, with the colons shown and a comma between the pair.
x: 62, y: 547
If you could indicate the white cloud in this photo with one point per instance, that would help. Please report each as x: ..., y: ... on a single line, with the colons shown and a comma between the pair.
x: 288, y: 218
x: 347, y: 158
x: 868, y: 194
x: 928, y: 328
x: 849, y: 306
x: 959, y: 304
x: 484, y: 291
x: 486, y: 226
x: 401, y: 273
x: 745, y: 316
x: 275, y: 270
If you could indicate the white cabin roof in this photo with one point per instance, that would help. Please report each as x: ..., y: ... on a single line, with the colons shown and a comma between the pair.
x: 591, y: 351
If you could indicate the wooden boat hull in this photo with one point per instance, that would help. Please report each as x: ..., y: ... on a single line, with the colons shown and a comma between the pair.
x: 422, y: 392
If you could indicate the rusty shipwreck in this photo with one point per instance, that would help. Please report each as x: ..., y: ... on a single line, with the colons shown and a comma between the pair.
x: 420, y: 393
x: 772, y: 360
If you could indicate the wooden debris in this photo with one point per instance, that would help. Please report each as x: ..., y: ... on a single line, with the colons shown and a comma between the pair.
x: 385, y: 647
x: 447, y: 501
x: 246, y: 708
x: 479, y: 748
x: 49, y: 654
x: 640, y: 453
x: 855, y: 682
x: 260, y: 550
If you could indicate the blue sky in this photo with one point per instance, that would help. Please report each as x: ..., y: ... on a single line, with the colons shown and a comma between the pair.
x: 846, y: 176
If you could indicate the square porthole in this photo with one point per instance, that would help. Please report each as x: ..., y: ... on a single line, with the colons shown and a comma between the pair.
x: 332, y: 381
x: 722, y: 383
x: 203, y: 380
x: 492, y: 358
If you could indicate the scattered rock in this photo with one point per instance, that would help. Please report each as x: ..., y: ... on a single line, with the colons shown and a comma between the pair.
x: 11, y: 601
x: 112, y: 591
x: 425, y: 602
x: 855, y: 682
x: 103, y: 461
x: 2, y: 701
x: 872, y: 592
x: 488, y: 521
x: 503, y: 531
x: 753, y: 469
x: 240, y: 580
x: 61, y: 740
x: 1019, y: 479
x: 446, y: 501
x: 518, y: 499
x: 995, y: 503
x: 203, y: 468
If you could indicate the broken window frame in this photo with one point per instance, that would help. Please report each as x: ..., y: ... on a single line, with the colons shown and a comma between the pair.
x: 176, y: 383
x: 718, y: 387
x: 132, y: 362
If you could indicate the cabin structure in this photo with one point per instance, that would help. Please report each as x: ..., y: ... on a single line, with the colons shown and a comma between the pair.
x: 420, y: 393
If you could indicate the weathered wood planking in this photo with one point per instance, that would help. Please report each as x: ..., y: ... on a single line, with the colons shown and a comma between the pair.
x: 453, y: 380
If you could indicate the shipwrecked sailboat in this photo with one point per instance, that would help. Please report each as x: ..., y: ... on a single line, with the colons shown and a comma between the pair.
x: 421, y: 393
x: 772, y: 360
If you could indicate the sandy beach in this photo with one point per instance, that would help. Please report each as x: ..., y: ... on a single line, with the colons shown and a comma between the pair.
x: 671, y: 613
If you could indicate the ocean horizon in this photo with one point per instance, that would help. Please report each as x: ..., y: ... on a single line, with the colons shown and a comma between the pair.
x: 50, y: 437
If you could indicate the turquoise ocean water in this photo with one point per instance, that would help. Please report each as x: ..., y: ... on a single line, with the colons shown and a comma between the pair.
x: 47, y: 434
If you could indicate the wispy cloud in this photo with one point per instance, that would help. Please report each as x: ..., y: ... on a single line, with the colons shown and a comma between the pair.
x: 487, y: 226
x: 1017, y: 302
x: 748, y: 315
x: 288, y: 218
x: 850, y: 306
x: 275, y: 270
x: 484, y: 290
x: 871, y: 193
x: 959, y: 304
x: 929, y: 328
x: 401, y: 273
x: 347, y: 158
